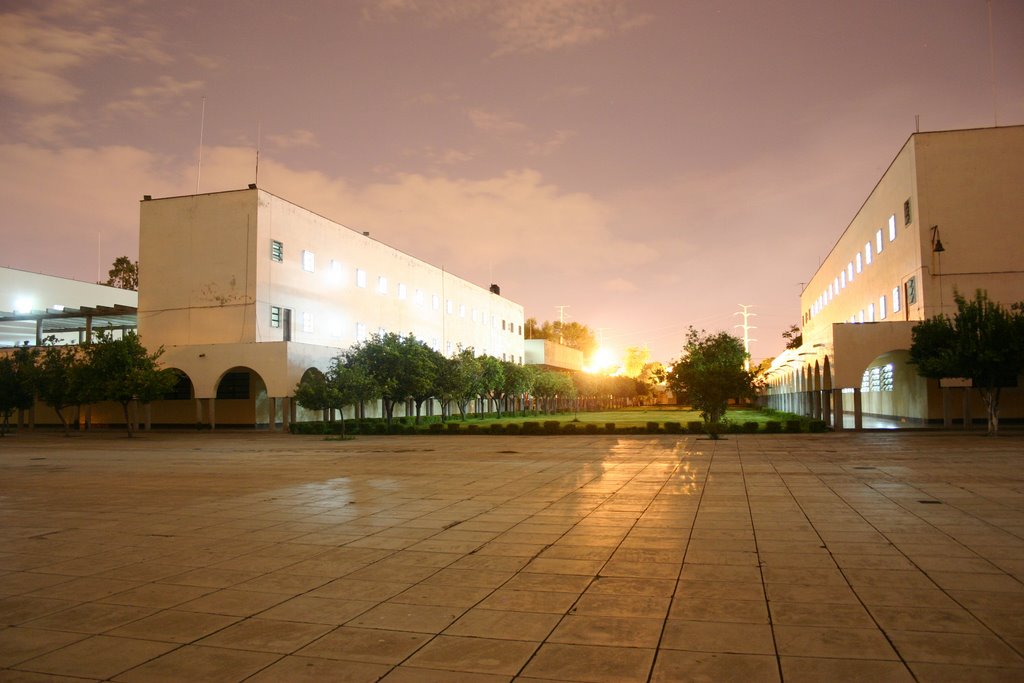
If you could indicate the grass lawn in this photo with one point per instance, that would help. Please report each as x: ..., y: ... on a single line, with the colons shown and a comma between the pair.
x: 637, y: 417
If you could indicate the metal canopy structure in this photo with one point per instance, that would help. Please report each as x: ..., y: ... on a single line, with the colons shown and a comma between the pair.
x: 18, y: 328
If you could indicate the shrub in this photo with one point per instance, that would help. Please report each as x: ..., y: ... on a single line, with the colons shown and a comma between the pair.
x: 531, y: 428
x: 512, y: 429
x: 793, y: 426
x: 653, y: 428
x: 496, y: 428
x: 473, y: 429
x: 454, y: 427
x: 609, y: 427
x: 590, y: 428
x: 749, y: 427
x: 673, y: 427
x: 380, y: 428
x: 713, y: 429
x: 772, y: 426
x: 817, y: 426
x: 569, y: 428
x: 552, y: 426
x: 734, y: 427
x: 694, y: 427
x: 435, y: 428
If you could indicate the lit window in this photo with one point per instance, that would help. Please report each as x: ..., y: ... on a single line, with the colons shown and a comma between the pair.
x: 860, y: 316
x: 849, y: 272
x: 878, y: 242
x: 381, y: 331
x: 448, y: 348
x: 360, y: 277
x: 842, y: 279
x: 462, y: 310
x: 307, y: 261
x: 360, y: 332
x: 434, y: 343
x: 334, y: 271
x: 475, y: 315
x: 912, y: 291
x: 853, y: 318
x: 892, y: 227
x: 435, y: 302
x: 871, y: 313
x: 859, y: 265
x: 417, y: 297
x: 895, y: 299
x: 401, y: 290
x: 275, y: 316
x: 835, y: 285
x: 450, y: 306
x: 382, y: 284
x: 867, y: 254
x: 276, y: 251
x: 307, y: 321
x: 881, y: 307
x: 336, y: 329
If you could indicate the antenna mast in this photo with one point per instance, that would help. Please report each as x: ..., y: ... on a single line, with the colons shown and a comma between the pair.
x: 202, y: 126
x: 746, y: 332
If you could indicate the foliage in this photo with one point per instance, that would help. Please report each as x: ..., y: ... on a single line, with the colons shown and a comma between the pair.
x: 459, y: 380
x: 794, y: 337
x: 710, y: 373
x: 343, y: 384
x: 400, y: 367
x: 571, y: 334
x: 122, y: 370
x: 124, y: 274
x: 635, y: 361
x: 983, y: 342
x: 60, y: 378
x: 17, y: 383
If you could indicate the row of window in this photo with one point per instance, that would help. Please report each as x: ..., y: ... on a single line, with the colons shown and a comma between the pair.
x: 877, y: 379
x: 857, y: 264
x: 892, y: 304
x: 401, y: 290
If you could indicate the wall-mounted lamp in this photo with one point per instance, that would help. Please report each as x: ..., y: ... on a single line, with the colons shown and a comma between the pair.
x: 937, y: 241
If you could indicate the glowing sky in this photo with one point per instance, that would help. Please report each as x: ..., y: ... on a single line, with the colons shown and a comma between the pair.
x: 651, y: 164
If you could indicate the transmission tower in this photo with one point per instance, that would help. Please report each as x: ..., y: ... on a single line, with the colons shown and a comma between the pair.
x: 747, y: 327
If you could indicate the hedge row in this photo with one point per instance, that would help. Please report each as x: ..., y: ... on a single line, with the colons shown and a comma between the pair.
x: 554, y: 427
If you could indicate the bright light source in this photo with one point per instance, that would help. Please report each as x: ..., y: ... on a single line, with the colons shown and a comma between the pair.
x: 23, y: 305
x: 603, y: 360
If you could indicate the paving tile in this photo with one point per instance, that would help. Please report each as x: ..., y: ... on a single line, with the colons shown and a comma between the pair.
x: 501, y: 624
x: 18, y: 644
x: 710, y: 636
x: 174, y: 626
x: 817, y: 614
x: 819, y: 641
x: 266, y: 635
x: 473, y: 655
x: 97, y: 657
x: 404, y: 617
x: 928, y: 672
x: 561, y: 662
x: 378, y: 646
x: 817, y: 669
x: 955, y: 648
x: 603, y: 630
x: 298, y: 669
x: 91, y: 617
x: 719, y: 609
x: 672, y: 666
x: 199, y: 663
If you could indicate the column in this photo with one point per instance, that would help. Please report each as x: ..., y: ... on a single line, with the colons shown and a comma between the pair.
x: 837, y: 397
x: 199, y: 413
x: 211, y: 408
x: 271, y: 414
x: 286, y: 416
x: 858, y: 412
x: 947, y: 413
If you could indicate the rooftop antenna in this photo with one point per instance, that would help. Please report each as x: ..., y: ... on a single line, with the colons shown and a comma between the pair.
x: 746, y: 332
x: 202, y: 126
x: 258, y: 132
x: 561, y: 322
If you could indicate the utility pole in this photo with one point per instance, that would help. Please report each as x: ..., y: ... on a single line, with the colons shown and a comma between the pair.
x: 561, y: 322
x: 746, y: 331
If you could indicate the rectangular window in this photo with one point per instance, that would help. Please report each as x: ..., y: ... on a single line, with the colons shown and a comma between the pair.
x: 871, y: 313
x: 417, y: 297
x: 906, y: 212
x: 912, y: 291
x: 307, y: 261
x: 360, y: 277
x: 881, y: 307
x: 860, y: 316
x: 448, y: 348
x: 895, y: 299
x: 878, y: 242
x: 334, y: 271
x: 307, y: 321
x: 450, y: 306
x: 381, y: 331
x: 276, y: 251
x: 867, y: 254
x: 275, y: 316
x: 462, y: 310
x: 435, y: 302
x: 401, y: 290
x: 360, y: 332
x: 859, y: 264
x: 849, y: 272
x: 842, y: 280
x: 382, y: 284
x: 336, y: 328
x: 892, y: 227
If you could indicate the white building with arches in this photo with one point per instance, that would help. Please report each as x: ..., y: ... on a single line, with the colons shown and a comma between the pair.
x: 247, y: 291
x: 946, y: 216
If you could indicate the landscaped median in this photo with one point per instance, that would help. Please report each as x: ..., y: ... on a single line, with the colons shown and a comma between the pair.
x: 662, y: 420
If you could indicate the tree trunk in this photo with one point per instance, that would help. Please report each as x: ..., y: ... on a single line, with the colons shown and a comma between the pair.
x: 991, y: 397
x: 63, y: 420
x: 127, y: 419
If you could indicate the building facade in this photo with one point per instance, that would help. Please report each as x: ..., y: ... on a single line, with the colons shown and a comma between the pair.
x: 246, y: 292
x: 947, y: 216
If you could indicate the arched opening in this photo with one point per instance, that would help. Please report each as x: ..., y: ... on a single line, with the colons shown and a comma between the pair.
x: 891, y: 391
x: 177, y: 406
x: 302, y: 414
x: 242, y: 400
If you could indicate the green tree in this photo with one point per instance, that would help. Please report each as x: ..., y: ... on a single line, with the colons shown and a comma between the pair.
x: 123, y: 370
x: 518, y: 382
x: 983, y: 342
x: 17, y: 383
x: 342, y: 385
x: 460, y: 380
x: 549, y: 386
x: 60, y: 378
x: 710, y: 372
x: 401, y: 367
x: 635, y: 361
x: 571, y: 334
x: 124, y: 274
x: 492, y: 380
x: 794, y: 337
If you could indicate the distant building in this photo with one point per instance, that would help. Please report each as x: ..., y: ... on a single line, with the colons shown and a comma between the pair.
x: 947, y: 215
x: 551, y: 355
x: 247, y: 292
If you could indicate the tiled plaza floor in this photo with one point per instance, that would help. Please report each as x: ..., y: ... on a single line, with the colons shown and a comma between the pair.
x: 262, y: 557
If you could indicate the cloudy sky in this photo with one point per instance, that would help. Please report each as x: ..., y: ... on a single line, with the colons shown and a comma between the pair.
x: 650, y: 164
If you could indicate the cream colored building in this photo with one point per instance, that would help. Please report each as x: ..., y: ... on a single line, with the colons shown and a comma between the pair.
x: 947, y: 215
x: 246, y: 292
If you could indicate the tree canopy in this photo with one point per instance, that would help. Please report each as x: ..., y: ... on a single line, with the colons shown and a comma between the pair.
x: 124, y: 274
x: 983, y: 342
x: 571, y: 334
x: 710, y: 372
